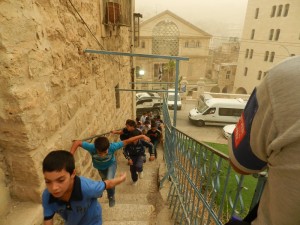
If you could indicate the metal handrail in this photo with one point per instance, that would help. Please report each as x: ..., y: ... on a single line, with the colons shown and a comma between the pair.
x: 204, y: 188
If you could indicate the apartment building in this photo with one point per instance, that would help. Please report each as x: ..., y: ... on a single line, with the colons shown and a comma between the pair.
x: 271, y: 34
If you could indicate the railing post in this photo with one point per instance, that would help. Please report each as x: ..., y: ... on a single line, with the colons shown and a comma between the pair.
x: 262, y: 178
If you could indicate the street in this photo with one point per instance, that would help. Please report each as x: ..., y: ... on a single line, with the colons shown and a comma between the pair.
x: 206, y: 133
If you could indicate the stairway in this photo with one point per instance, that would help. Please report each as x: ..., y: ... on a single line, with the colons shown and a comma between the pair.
x: 143, y: 204
x: 140, y: 204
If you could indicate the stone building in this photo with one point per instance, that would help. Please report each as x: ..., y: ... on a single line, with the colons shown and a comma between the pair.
x: 168, y: 34
x: 271, y: 34
x: 224, y: 64
x: 52, y: 92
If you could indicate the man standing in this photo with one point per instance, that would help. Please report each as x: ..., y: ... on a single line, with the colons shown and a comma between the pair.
x: 268, y: 136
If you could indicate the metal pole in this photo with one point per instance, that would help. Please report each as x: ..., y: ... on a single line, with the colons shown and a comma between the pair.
x: 176, y: 92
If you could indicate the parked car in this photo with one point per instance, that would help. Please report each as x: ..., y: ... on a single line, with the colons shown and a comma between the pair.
x: 146, y: 102
x: 171, y: 100
x: 228, y: 130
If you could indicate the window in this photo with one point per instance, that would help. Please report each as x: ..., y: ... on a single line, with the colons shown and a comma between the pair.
x: 271, y: 34
x: 256, y: 13
x: 192, y: 44
x: 272, y: 56
x: 117, y: 95
x: 286, y: 10
x: 279, y: 10
x: 251, y: 54
x: 277, y: 34
x: 228, y: 74
x: 230, y: 112
x: 252, y: 34
x: 273, y: 11
x: 198, y: 44
x: 266, y: 55
x: 265, y: 74
x: 143, y: 45
x: 247, y: 53
x: 117, y: 12
x: 210, y: 111
x: 259, y: 75
x: 186, y: 44
x: 245, y: 71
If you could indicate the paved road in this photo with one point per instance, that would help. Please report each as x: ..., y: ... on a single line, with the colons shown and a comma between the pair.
x: 206, y: 133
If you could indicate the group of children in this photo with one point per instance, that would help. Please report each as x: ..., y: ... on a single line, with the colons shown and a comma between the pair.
x: 74, y: 198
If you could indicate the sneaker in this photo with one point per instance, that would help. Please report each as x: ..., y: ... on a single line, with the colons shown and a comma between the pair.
x: 112, y: 201
x: 134, y: 183
x: 141, y: 175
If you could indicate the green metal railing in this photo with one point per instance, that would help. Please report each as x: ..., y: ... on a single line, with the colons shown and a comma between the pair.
x: 204, y: 188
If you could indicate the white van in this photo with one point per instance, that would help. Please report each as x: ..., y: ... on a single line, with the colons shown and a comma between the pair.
x: 171, y: 100
x: 217, y: 111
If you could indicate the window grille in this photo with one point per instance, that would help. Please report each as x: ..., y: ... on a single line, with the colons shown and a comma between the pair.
x: 165, y: 39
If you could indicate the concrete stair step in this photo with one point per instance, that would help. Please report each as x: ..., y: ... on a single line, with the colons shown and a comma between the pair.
x: 127, y: 212
x: 25, y: 213
x: 143, y: 186
x: 126, y: 198
x: 126, y: 223
x: 147, y: 174
x: 149, y: 169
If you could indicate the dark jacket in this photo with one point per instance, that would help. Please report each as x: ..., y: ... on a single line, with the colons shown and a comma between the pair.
x: 133, y: 150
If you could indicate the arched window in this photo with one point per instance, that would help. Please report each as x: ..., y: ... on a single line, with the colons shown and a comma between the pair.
x: 256, y: 13
x: 247, y: 53
x: 259, y: 75
x: 277, y: 34
x: 266, y: 55
x: 273, y: 10
x: 251, y: 54
x: 245, y: 71
x: 286, y: 10
x: 252, y: 34
x: 271, y: 34
x: 279, y: 10
x: 272, y: 56
x: 241, y: 90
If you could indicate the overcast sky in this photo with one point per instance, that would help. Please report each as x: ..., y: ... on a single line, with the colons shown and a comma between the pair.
x: 218, y: 17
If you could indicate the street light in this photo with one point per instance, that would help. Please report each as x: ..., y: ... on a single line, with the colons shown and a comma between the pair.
x: 141, y: 72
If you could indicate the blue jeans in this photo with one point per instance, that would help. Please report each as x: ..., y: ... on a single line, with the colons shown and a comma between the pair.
x: 109, y: 174
x: 137, y: 166
x: 155, y: 143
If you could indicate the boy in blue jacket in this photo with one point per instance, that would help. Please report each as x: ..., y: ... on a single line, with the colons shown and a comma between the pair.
x: 103, y: 157
x: 73, y: 198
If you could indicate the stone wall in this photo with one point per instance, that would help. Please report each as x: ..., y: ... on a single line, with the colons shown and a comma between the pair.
x: 51, y: 91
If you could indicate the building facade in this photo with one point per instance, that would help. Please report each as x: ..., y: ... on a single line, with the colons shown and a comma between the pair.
x: 53, y: 92
x: 271, y: 34
x: 168, y: 34
x: 224, y: 64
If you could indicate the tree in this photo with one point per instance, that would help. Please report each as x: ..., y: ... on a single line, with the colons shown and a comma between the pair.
x: 169, y: 69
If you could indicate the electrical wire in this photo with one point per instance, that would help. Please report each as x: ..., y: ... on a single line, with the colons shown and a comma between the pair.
x: 95, y: 38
